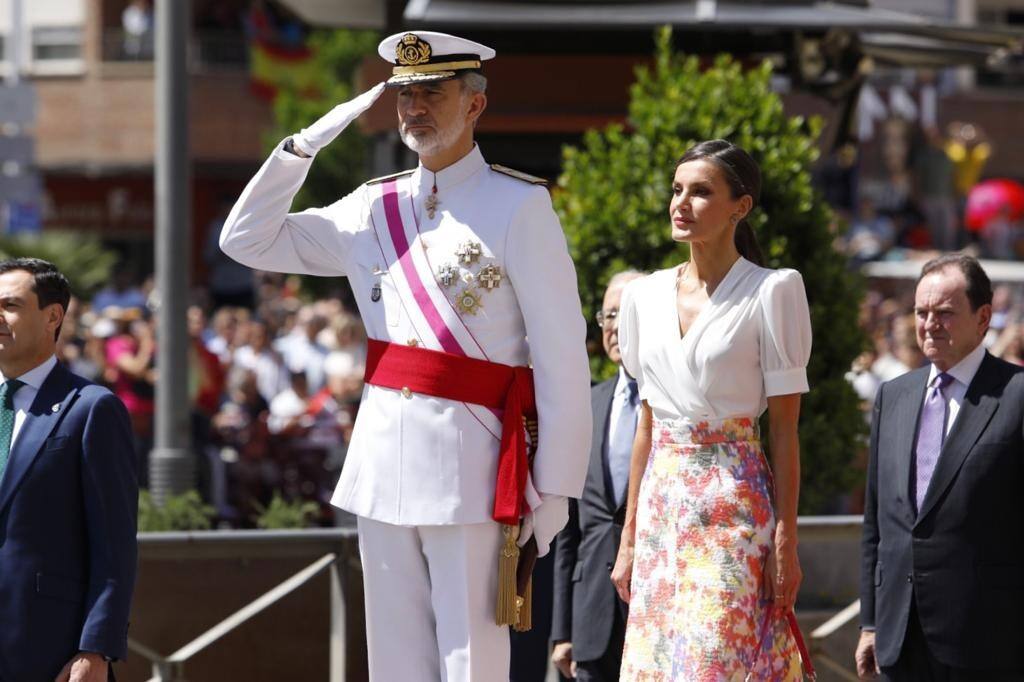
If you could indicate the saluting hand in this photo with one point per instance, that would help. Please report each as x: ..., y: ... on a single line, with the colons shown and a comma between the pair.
x: 320, y: 134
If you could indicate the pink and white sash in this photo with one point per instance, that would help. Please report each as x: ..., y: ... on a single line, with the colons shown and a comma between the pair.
x: 437, y: 324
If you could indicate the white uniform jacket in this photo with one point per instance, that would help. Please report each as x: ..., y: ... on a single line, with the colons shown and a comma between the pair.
x: 415, y: 459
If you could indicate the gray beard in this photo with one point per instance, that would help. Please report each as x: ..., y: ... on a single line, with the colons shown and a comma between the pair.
x: 435, y: 143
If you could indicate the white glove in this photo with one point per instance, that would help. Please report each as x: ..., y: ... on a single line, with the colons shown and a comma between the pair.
x: 545, y: 521
x: 320, y: 134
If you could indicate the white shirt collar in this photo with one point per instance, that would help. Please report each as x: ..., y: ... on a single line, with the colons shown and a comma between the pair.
x: 964, y: 370
x: 450, y: 176
x: 624, y: 379
x: 37, y: 375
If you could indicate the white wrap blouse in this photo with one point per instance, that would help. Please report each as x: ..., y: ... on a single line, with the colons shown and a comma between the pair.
x: 751, y: 340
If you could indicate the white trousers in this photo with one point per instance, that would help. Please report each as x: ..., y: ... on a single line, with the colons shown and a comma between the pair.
x: 430, y: 599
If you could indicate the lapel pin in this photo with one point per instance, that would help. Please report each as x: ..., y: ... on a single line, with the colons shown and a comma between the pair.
x: 55, y: 408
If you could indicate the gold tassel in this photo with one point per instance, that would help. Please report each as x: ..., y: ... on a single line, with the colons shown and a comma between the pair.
x: 508, y: 560
x: 526, y: 609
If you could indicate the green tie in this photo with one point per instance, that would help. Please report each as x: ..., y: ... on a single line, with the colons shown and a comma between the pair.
x: 7, y: 391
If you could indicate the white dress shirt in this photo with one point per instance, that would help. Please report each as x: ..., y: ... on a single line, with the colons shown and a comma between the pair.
x: 25, y: 395
x: 963, y: 373
x: 619, y: 402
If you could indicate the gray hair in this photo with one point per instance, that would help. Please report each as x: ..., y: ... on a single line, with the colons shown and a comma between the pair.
x: 473, y: 81
x: 622, y: 278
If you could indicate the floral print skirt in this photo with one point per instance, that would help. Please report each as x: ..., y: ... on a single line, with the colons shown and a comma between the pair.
x: 705, y: 524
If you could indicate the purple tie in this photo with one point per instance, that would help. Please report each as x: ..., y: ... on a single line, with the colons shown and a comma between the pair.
x: 930, y: 435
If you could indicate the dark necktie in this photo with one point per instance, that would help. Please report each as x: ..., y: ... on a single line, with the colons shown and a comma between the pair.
x: 7, y: 391
x: 620, y: 447
x: 931, y: 434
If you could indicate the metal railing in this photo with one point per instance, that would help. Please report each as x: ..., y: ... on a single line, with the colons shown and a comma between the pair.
x: 250, y: 544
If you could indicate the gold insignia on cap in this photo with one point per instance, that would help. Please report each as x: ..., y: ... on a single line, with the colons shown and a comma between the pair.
x: 468, y: 301
x: 412, y: 50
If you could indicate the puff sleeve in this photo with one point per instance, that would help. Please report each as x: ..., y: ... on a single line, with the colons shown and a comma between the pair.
x: 629, y: 334
x: 785, y: 334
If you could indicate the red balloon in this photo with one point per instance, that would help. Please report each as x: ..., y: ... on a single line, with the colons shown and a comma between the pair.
x: 990, y: 198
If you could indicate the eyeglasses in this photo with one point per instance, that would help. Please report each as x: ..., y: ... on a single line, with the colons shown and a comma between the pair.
x: 607, y: 317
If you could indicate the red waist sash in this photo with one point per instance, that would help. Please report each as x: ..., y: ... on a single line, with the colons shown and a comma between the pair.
x: 467, y: 380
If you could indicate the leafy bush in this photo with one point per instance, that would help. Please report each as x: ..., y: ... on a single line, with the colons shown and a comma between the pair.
x: 83, y: 259
x: 613, y: 201
x: 281, y: 514
x: 179, y: 512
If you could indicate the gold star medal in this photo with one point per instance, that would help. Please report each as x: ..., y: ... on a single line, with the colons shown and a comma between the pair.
x: 468, y: 301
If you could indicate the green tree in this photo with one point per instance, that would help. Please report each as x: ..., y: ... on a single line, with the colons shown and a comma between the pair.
x: 613, y: 201
x: 341, y: 166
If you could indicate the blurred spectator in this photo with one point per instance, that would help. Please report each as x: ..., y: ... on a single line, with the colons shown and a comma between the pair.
x: 220, y: 337
x: 230, y: 282
x: 130, y: 373
x: 301, y: 349
x: 258, y: 357
x: 902, y: 353
x: 870, y: 234
x: 933, y: 174
x: 137, y: 23
x: 1002, y: 236
x: 288, y: 409
x: 121, y: 293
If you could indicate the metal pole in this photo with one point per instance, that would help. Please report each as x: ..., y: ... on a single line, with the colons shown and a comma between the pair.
x: 15, y: 58
x: 171, y: 462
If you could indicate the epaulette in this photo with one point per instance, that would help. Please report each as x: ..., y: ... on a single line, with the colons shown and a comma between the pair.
x: 393, y: 176
x: 518, y: 175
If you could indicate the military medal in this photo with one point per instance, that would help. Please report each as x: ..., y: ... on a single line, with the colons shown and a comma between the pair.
x: 468, y: 252
x: 490, y: 276
x: 431, y: 203
x: 447, y: 274
x: 468, y: 301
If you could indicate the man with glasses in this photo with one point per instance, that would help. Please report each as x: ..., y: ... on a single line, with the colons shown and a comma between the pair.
x: 589, y: 618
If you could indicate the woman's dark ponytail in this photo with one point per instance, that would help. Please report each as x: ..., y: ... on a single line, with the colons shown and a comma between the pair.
x: 744, y: 177
x: 746, y: 243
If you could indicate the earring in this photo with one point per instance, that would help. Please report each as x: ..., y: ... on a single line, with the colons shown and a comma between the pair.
x: 733, y: 219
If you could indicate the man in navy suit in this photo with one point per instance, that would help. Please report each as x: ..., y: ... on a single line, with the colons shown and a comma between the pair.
x: 589, y: 620
x: 68, y: 496
x: 942, y: 596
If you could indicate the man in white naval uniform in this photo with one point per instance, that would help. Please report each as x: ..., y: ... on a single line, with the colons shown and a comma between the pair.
x: 453, y: 256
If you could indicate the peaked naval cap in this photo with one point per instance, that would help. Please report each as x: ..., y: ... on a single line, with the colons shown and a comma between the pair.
x: 428, y: 56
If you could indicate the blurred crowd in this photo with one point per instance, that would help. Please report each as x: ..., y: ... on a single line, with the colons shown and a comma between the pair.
x: 273, y: 387
x: 918, y: 188
x: 886, y: 314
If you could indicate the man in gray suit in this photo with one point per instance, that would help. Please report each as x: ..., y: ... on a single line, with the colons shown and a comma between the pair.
x: 942, y: 580
x: 589, y: 620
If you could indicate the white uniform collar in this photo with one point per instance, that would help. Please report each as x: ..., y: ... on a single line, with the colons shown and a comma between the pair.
x: 37, y: 375
x: 964, y: 370
x: 450, y: 176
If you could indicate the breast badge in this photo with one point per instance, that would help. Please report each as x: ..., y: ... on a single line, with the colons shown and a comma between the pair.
x: 468, y: 301
x: 477, y: 275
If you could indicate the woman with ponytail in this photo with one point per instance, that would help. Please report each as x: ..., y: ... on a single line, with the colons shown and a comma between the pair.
x: 708, y: 560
